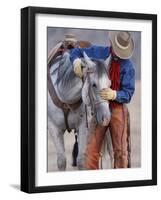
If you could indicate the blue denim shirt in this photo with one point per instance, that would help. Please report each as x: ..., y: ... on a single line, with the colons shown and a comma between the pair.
x: 127, y: 71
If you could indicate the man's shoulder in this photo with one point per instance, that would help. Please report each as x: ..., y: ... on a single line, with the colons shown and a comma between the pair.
x: 127, y: 63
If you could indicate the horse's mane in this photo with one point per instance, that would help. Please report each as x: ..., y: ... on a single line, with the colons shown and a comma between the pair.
x: 65, y: 70
x: 66, y: 73
x: 100, y: 67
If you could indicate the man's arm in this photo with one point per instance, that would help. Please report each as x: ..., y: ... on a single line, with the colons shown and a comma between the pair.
x: 97, y: 52
x: 127, y: 85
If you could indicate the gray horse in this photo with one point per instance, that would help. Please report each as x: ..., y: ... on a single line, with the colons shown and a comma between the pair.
x: 70, y: 89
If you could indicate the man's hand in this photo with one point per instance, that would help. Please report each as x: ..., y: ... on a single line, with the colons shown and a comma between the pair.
x: 108, y: 94
x: 77, y: 67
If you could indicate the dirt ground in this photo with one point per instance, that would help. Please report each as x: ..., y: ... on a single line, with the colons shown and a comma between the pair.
x: 135, y: 124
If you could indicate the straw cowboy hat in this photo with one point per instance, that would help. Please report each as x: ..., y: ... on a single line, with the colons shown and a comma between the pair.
x: 122, y: 43
x: 70, y: 38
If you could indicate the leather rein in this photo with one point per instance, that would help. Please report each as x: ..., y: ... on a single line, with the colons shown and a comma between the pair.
x: 92, y: 101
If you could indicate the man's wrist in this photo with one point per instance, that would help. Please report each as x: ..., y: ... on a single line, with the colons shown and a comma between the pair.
x: 114, y: 95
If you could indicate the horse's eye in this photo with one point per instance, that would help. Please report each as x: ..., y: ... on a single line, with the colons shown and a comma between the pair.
x: 94, y: 85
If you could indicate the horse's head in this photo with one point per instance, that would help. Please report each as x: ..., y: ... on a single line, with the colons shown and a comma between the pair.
x: 96, y: 79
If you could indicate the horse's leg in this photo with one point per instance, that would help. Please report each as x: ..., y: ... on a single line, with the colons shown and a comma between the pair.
x: 58, y: 139
x: 82, y: 142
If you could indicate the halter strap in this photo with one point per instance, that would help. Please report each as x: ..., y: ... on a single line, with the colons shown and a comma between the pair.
x: 93, y: 103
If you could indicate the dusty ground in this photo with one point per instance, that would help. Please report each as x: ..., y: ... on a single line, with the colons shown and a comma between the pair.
x: 134, y: 108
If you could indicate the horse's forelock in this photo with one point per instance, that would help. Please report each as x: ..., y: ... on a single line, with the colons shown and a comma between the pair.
x: 100, y: 67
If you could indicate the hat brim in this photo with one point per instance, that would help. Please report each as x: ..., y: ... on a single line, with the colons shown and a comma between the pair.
x: 121, y: 53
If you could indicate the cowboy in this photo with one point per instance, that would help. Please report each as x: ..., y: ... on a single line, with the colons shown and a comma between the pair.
x: 122, y: 75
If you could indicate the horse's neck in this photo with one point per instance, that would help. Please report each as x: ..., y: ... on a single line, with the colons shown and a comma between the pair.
x: 70, y: 91
x: 69, y: 86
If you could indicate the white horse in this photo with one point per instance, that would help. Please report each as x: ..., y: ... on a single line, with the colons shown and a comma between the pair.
x: 69, y: 89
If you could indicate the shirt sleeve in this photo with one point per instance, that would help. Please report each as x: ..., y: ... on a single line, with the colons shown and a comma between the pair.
x: 97, y: 52
x: 127, y: 85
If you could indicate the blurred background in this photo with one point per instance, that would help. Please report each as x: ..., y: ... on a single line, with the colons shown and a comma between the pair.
x: 100, y: 37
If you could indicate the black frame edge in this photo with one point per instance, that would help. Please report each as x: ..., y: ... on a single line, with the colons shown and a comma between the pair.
x: 24, y: 100
x: 93, y: 186
x: 92, y: 13
x: 154, y: 99
x: 27, y: 101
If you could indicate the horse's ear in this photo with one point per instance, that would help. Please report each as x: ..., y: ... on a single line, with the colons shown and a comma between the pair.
x: 88, y: 61
x: 85, y: 91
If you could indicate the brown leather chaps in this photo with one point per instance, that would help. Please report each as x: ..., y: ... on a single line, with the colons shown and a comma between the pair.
x: 118, y: 127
